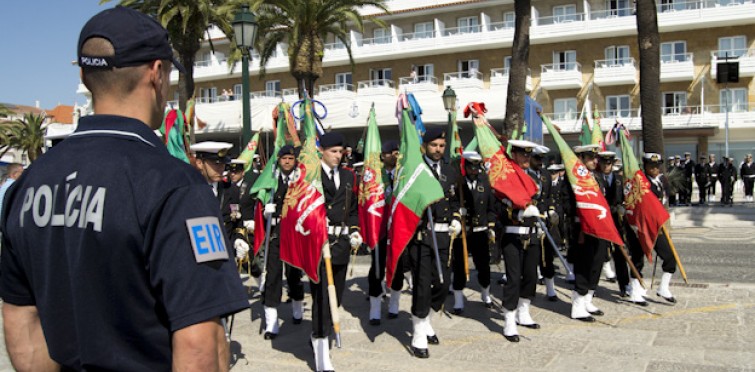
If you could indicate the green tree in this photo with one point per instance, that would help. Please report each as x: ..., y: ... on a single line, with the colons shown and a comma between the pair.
x: 26, y: 134
x: 649, y: 41
x: 520, y: 54
x: 304, y: 25
x: 4, y: 111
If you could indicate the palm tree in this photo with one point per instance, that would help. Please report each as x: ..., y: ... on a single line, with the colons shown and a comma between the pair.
x: 26, y: 134
x: 304, y: 25
x: 4, y: 111
x: 520, y: 54
x: 650, y: 75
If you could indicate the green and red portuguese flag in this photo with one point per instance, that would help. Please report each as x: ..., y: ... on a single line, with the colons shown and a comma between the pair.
x: 416, y: 188
x: 506, y: 177
x: 248, y: 154
x: 644, y: 212
x: 303, y: 219
x: 371, y: 189
x: 592, y: 207
x: 173, y: 129
x: 591, y: 132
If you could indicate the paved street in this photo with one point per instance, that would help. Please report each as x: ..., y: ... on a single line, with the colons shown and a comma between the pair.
x: 711, y: 328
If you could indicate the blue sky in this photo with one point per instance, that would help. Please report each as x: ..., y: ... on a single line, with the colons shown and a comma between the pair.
x: 38, y: 45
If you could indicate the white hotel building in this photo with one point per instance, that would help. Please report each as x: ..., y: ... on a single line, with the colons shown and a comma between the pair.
x: 580, y: 50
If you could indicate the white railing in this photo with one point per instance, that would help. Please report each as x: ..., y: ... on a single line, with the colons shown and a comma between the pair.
x: 208, y: 99
x: 503, y: 25
x: 676, y: 58
x: 265, y: 94
x: 203, y: 63
x: 375, y: 83
x: 612, y: 13
x: 334, y: 46
x: 377, y: 40
x: 732, y: 53
x: 341, y: 87
x: 471, y: 74
x: 428, y: 79
x: 452, y: 31
x: 290, y: 92
x: 615, y: 62
x: 560, y: 67
x: 416, y: 35
x: 681, y: 5
x: 565, y: 18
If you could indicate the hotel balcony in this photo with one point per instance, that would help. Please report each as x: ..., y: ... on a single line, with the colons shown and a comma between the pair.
x: 616, y: 72
x: 471, y: 79
x: 422, y: 83
x: 376, y: 87
x: 677, y: 67
x: 745, y: 57
x: 499, y: 78
x: 341, y: 90
x: 566, y: 75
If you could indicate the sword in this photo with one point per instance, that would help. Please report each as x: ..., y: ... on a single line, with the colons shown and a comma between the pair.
x: 268, y: 227
x: 376, y: 251
x: 435, y: 244
x: 555, y: 246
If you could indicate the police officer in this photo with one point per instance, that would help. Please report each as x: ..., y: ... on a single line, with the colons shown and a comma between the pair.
x: 701, y: 179
x: 478, y: 210
x: 613, y: 185
x: 586, y: 252
x: 389, y: 156
x: 120, y: 263
x: 747, y: 172
x: 428, y: 294
x: 711, y: 169
x: 727, y: 175
x: 211, y: 160
x: 688, y: 166
x: 548, y: 200
x: 273, y: 289
x: 343, y: 233
x: 559, y: 197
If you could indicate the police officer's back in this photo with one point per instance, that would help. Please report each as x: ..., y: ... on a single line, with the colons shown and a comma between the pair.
x: 121, y: 260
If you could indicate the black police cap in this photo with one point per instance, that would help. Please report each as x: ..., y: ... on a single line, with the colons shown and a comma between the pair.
x: 286, y: 150
x: 390, y: 146
x: 432, y: 134
x: 136, y: 39
x: 331, y: 139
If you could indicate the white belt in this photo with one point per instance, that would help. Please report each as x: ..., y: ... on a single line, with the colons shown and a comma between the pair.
x: 750, y: 176
x: 521, y: 230
x: 337, y: 230
x: 478, y: 228
x: 439, y: 227
x: 274, y: 221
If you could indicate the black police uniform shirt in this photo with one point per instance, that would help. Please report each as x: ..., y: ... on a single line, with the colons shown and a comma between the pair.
x: 117, y: 244
x: 338, y: 216
x: 479, y: 201
x: 447, y: 209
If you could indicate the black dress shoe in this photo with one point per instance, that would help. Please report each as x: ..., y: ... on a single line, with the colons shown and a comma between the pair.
x: 640, y: 303
x: 297, y: 321
x: 587, y: 319
x: 669, y: 299
x: 530, y: 326
x: 392, y: 316
x: 611, y: 280
x: 552, y: 298
x: 374, y: 322
x: 270, y: 335
x: 623, y: 294
x: 420, y: 353
x: 570, y: 281
x: 514, y: 338
x: 489, y: 305
x: 456, y: 311
x: 502, y: 281
x: 541, y: 281
x: 433, y: 340
x: 597, y: 312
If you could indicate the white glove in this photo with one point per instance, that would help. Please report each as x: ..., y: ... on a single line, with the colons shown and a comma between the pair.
x: 355, y: 239
x: 269, y: 210
x: 455, y: 228
x: 530, y: 211
x: 241, y: 247
x: 491, y: 235
x: 249, y: 226
x: 553, y: 217
x: 463, y: 211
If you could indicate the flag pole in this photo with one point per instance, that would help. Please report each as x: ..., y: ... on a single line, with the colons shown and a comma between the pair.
x: 268, y: 227
x: 332, y: 293
x: 676, y: 255
x: 435, y: 243
x: 465, y: 250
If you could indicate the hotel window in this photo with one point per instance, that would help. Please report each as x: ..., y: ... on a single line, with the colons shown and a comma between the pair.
x: 733, y: 46
x: 506, y: 65
x: 735, y: 99
x: 380, y: 76
x: 674, y: 51
x: 617, y: 55
x: 619, y: 8
x: 381, y: 36
x: 509, y: 20
x: 565, y: 109
x: 425, y: 72
x: 565, y: 61
x: 564, y: 13
x: 618, y: 106
x: 272, y: 88
x: 468, y: 25
x: 423, y: 30
x: 208, y: 95
x: 238, y: 90
x: 674, y: 103
x: 343, y: 80
x: 469, y: 68
x: 675, y: 5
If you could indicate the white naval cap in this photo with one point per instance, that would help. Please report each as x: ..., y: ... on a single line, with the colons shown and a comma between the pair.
x: 472, y: 156
x: 212, y: 150
x: 541, y: 150
x: 652, y: 157
x: 607, y: 154
x: 238, y: 161
x: 555, y: 167
x: 527, y: 146
x: 586, y: 149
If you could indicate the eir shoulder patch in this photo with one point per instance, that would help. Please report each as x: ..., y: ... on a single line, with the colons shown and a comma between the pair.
x: 207, y: 239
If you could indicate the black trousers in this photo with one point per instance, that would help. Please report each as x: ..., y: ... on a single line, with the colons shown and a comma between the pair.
x: 547, y: 269
x: 588, y: 259
x: 620, y: 266
x: 521, y: 260
x: 478, y: 247
x: 274, y: 277
x: 727, y: 189
x: 702, y: 192
x: 427, y: 290
x: 322, y: 323
x: 749, y: 183
x: 662, y: 249
x: 375, y: 281
x: 712, y: 186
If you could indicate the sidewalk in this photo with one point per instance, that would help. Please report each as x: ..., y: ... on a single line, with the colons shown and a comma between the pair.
x: 711, y: 328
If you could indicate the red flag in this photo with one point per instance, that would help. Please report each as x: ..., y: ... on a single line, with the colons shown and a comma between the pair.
x: 304, y: 225
x: 645, y: 213
x: 259, y: 227
x: 506, y: 177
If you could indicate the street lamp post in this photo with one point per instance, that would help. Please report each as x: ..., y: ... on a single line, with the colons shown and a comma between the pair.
x: 449, y: 102
x: 245, y: 31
